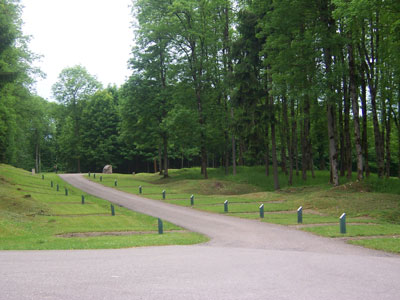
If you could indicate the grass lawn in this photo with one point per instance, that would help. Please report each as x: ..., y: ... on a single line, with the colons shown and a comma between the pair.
x: 374, y: 202
x: 390, y: 244
x: 34, y: 215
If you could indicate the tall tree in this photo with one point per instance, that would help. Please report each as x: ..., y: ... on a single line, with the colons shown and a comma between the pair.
x: 73, y: 88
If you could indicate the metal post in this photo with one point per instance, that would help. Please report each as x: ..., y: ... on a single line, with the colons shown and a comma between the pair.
x: 140, y: 189
x: 89, y: 174
x: 262, y: 211
x: 343, y: 223
x: 66, y: 192
x: 226, y: 206
x: 160, y: 226
x: 112, y: 210
x: 83, y: 199
x: 300, y: 215
x: 115, y: 182
x: 192, y: 200
x: 163, y: 194
x: 94, y: 175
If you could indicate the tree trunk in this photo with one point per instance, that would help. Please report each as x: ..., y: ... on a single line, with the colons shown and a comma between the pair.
x: 355, y: 108
x: 241, y: 152
x: 226, y: 157
x: 332, y: 145
x: 398, y: 134
x: 342, y: 154
x: 292, y: 142
x: 273, y: 140
x: 155, y: 165
x: 233, y: 146
x: 283, y: 132
x: 377, y: 135
x: 160, y: 159
x: 266, y: 155
x: 295, y: 146
x: 165, y: 153
x: 388, y: 153
x: 364, y: 122
x: 347, y: 129
x: 330, y: 27
x: 37, y: 158
x: 306, y: 143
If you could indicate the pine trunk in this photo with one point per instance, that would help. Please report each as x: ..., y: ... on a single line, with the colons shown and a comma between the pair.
x: 342, y: 153
x: 347, y: 129
x: 284, y: 135
x: 364, y: 141
x: 233, y: 146
x: 388, y: 153
x: 165, y: 153
x: 292, y: 142
x: 266, y: 155
x: 273, y: 140
x: 355, y: 108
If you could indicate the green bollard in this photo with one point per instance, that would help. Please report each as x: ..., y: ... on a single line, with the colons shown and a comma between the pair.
x: 192, y: 200
x: 160, y: 226
x: 89, y: 174
x: 226, y: 206
x: 58, y: 187
x: 163, y: 194
x: 94, y: 175
x: 115, y: 182
x: 101, y: 178
x: 140, y: 189
x: 343, y: 223
x: 51, y: 183
x: 300, y: 215
x: 66, y: 192
x: 261, y: 211
x: 83, y: 199
x: 112, y: 210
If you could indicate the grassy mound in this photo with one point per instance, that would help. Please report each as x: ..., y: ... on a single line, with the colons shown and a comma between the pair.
x: 34, y: 215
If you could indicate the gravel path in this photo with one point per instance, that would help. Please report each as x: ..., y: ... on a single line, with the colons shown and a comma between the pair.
x: 245, y: 259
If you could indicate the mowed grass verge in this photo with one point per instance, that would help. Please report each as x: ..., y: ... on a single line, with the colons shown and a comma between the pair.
x: 34, y: 215
x: 372, y: 207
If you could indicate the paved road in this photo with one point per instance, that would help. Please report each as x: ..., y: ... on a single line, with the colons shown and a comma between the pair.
x: 245, y: 259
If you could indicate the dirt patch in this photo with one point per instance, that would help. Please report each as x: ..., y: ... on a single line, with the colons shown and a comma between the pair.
x: 111, y: 233
x: 327, y: 224
x: 79, y: 215
x: 353, y: 187
x: 354, y: 238
x: 218, y: 185
x: 76, y: 202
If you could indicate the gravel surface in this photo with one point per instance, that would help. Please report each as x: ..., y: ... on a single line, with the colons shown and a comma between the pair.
x: 245, y: 259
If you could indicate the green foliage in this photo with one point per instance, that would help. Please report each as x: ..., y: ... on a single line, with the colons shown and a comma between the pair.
x: 100, y: 119
x: 73, y: 88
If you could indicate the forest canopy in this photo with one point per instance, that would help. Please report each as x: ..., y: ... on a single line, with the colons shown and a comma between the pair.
x: 295, y: 86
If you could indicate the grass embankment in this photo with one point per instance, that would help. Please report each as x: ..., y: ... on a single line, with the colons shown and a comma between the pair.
x: 372, y: 207
x: 33, y: 215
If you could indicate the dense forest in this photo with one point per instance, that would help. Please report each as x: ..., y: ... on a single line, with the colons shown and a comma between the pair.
x: 295, y: 85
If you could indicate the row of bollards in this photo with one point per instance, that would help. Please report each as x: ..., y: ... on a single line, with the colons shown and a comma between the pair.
x: 342, y: 219
x: 101, y: 178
